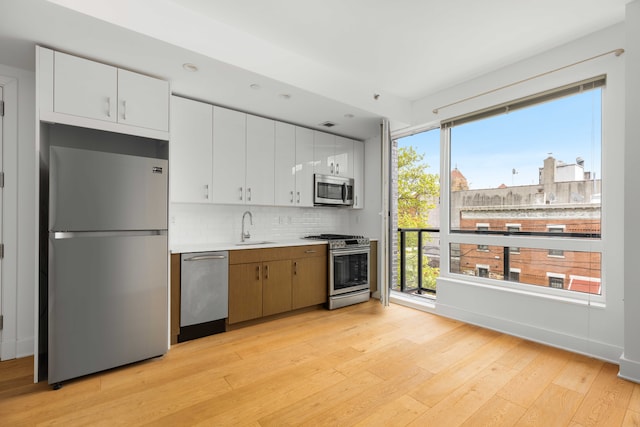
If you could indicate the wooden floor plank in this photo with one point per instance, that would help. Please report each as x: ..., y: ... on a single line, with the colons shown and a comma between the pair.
x: 555, y: 407
x: 363, y: 365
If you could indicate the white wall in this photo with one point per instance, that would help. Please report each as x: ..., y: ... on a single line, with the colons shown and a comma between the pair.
x: 18, y: 266
x: 630, y: 361
x: 367, y: 221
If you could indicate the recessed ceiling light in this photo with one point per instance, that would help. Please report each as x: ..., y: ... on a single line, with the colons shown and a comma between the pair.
x: 255, y: 86
x: 349, y: 116
x: 284, y: 96
x: 190, y: 67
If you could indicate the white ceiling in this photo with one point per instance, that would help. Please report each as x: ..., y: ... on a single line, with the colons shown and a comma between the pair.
x: 331, y: 57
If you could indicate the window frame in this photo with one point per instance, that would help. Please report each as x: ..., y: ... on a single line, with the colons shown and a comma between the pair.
x: 449, y: 237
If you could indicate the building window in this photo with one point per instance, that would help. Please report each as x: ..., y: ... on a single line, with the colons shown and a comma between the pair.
x: 556, y: 229
x: 482, y: 270
x: 559, y: 192
x: 511, y: 228
x: 483, y: 227
x: 556, y: 282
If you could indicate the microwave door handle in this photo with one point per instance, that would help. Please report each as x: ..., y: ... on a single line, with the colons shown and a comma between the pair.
x: 344, y: 193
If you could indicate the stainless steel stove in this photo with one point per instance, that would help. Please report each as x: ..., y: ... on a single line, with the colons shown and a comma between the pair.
x: 348, y: 269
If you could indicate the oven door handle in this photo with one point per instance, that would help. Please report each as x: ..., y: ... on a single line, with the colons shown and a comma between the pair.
x: 350, y: 251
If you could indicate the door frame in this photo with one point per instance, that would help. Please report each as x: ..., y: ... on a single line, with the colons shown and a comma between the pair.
x: 9, y: 220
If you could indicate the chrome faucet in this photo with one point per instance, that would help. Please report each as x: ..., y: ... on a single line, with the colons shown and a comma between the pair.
x: 245, y: 235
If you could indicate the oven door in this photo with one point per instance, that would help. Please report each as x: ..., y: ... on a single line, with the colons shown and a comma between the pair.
x: 348, y: 270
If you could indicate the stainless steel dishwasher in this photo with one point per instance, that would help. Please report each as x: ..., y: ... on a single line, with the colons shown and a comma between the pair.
x: 204, y: 294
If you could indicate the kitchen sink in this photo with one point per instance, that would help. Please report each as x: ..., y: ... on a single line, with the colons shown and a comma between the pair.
x: 259, y: 242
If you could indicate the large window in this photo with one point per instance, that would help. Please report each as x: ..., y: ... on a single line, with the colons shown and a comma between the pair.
x: 525, y: 190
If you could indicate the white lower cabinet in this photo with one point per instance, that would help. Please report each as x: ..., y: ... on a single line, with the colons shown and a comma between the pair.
x: 191, y: 151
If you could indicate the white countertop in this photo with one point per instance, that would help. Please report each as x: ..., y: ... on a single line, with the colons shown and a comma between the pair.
x: 231, y: 246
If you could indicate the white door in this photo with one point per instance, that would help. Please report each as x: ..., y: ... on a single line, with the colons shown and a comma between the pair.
x: 85, y: 88
x: 191, y: 151
x: 285, y: 165
x: 260, y: 160
x: 143, y: 101
x: 229, y: 149
x: 304, y: 167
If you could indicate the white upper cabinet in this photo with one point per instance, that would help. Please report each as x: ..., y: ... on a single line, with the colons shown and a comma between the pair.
x: 142, y: 101
x: 323, y: 149
x: 294, y: 166
x: 343, y: 157
x: 85, y: 88
x: 304, y: 166
x: 285, y: 164
x: 229, y: 156
x: 191, y: 151
x: 358, y: 174
x: 81, y: 92
x: 333, y: 155
x: 260, y: 161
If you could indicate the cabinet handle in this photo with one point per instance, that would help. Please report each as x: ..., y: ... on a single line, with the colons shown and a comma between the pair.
x: 291, y: 196
x: 295, y: 268
x: 241, y: 193
x: 108, y: 106
x: 356, y: 200
x: 310, y: 251
x: 337, y: 168
x: 206, y: 191
x: 249, y: 194
x: 298, y: 197
x: 266, y: 272
x: 124, y: 110
x: 258, y: 273
x: 332, y: 168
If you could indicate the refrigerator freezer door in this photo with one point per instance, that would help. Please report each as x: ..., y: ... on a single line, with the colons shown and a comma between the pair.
x: 92, y: 190
x: 107, y: 302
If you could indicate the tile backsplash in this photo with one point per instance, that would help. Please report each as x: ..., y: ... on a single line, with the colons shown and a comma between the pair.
x: 202, y: 223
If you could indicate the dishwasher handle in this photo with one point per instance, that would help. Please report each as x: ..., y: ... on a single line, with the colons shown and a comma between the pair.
x: 205, y: 257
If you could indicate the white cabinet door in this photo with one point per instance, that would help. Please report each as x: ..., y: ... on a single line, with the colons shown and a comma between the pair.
x: 229, y: 154
x: 84, y: 88
x: 304, y: 167
x: 343, y: 157
x: 191, y: 151
x: 323, y: 152
x: 285, y: 164
x: 143, y: 101
x: 358, y: 174
x: 260, y: 161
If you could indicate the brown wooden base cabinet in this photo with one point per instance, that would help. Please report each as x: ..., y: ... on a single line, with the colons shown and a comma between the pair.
x: 263, y: 282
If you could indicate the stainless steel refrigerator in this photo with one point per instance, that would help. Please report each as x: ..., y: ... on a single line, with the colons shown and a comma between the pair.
x: 108, y: 261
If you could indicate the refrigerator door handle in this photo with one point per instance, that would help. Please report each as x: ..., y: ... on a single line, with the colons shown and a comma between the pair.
x: 58, y: 235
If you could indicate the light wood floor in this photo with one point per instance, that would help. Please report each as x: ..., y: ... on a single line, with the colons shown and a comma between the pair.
x: 360, y: 365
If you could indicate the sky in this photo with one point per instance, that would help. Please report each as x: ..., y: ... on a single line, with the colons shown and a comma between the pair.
x: 488, y: 151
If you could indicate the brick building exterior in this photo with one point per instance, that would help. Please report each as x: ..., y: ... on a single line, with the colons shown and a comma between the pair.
x: 561, y: 203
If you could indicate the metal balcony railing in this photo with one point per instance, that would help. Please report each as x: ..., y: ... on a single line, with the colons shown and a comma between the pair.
x: 419, y: 260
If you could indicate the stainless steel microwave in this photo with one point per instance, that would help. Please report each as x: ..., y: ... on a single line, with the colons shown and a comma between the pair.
x: 330, y: 190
